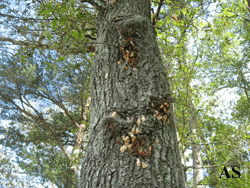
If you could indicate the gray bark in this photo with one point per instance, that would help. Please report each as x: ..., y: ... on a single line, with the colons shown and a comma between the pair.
x: 196, y: 153
x: 183, y: 161
x: 125, y: 88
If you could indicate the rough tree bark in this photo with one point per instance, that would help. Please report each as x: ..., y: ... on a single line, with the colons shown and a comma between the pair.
x: 133, y: 139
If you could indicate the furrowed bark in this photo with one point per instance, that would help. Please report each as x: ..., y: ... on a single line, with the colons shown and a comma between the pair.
x: 126, y: 78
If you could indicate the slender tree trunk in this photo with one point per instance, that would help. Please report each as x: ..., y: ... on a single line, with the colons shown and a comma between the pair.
x: 213, y: 172
x: 183, y: 162
x: 196, y: 149
x: 196, y: 152
x: 132, y: 143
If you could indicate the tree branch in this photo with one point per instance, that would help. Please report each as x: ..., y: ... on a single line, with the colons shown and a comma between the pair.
x: 221, y: 143
x: 248, y: 4
x: 94, y: 4
x: 23, y: 43
x: 102, y: 1
x: 89, y: 47
x: 240, y: 16
x: 212, y: 166
x: 155, y: 17
x: 16, y: 17
x: 41, y: 120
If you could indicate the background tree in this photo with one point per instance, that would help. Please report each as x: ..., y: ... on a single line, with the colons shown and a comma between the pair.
x: 221, y: 37
x: 203, y: 97
x: 44, y: 93
x: 46, y: 105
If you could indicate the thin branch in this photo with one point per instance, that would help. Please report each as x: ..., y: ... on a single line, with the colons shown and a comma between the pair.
x: 94, y: 4
x: 212, y: 143
x: 69, y: 116
x: 41, y: 120
x: 16, y: 17
x: 212, y: 166
x: 33, y: 140
x: 35, y: 110
x: 158, y: 2
x: 46, y: 46
x: 23, y: 43
x: 155, y: 17
x: 245, y: 84
x: 102, y: 1
x: 239, y: 15
x: 248, y: 2
x: 58, y: 103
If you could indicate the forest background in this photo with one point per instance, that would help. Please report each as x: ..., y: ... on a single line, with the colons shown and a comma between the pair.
x: 46, y: 57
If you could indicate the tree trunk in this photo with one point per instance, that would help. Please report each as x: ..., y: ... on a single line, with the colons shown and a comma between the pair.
x: 196, y: 152
x: 133, y: 139
x: 183, y: 162
x: 181, y: 151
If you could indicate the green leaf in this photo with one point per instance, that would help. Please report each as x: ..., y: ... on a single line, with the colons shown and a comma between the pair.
x: 54, y: 23
x: 60, y: 59
x: 74, y: 33
x: 82, y: 36
x: 48, y: 35
x: 22, y: 58
x: 49, y: 65
x: 2, y: 6
x: 218, y: 32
